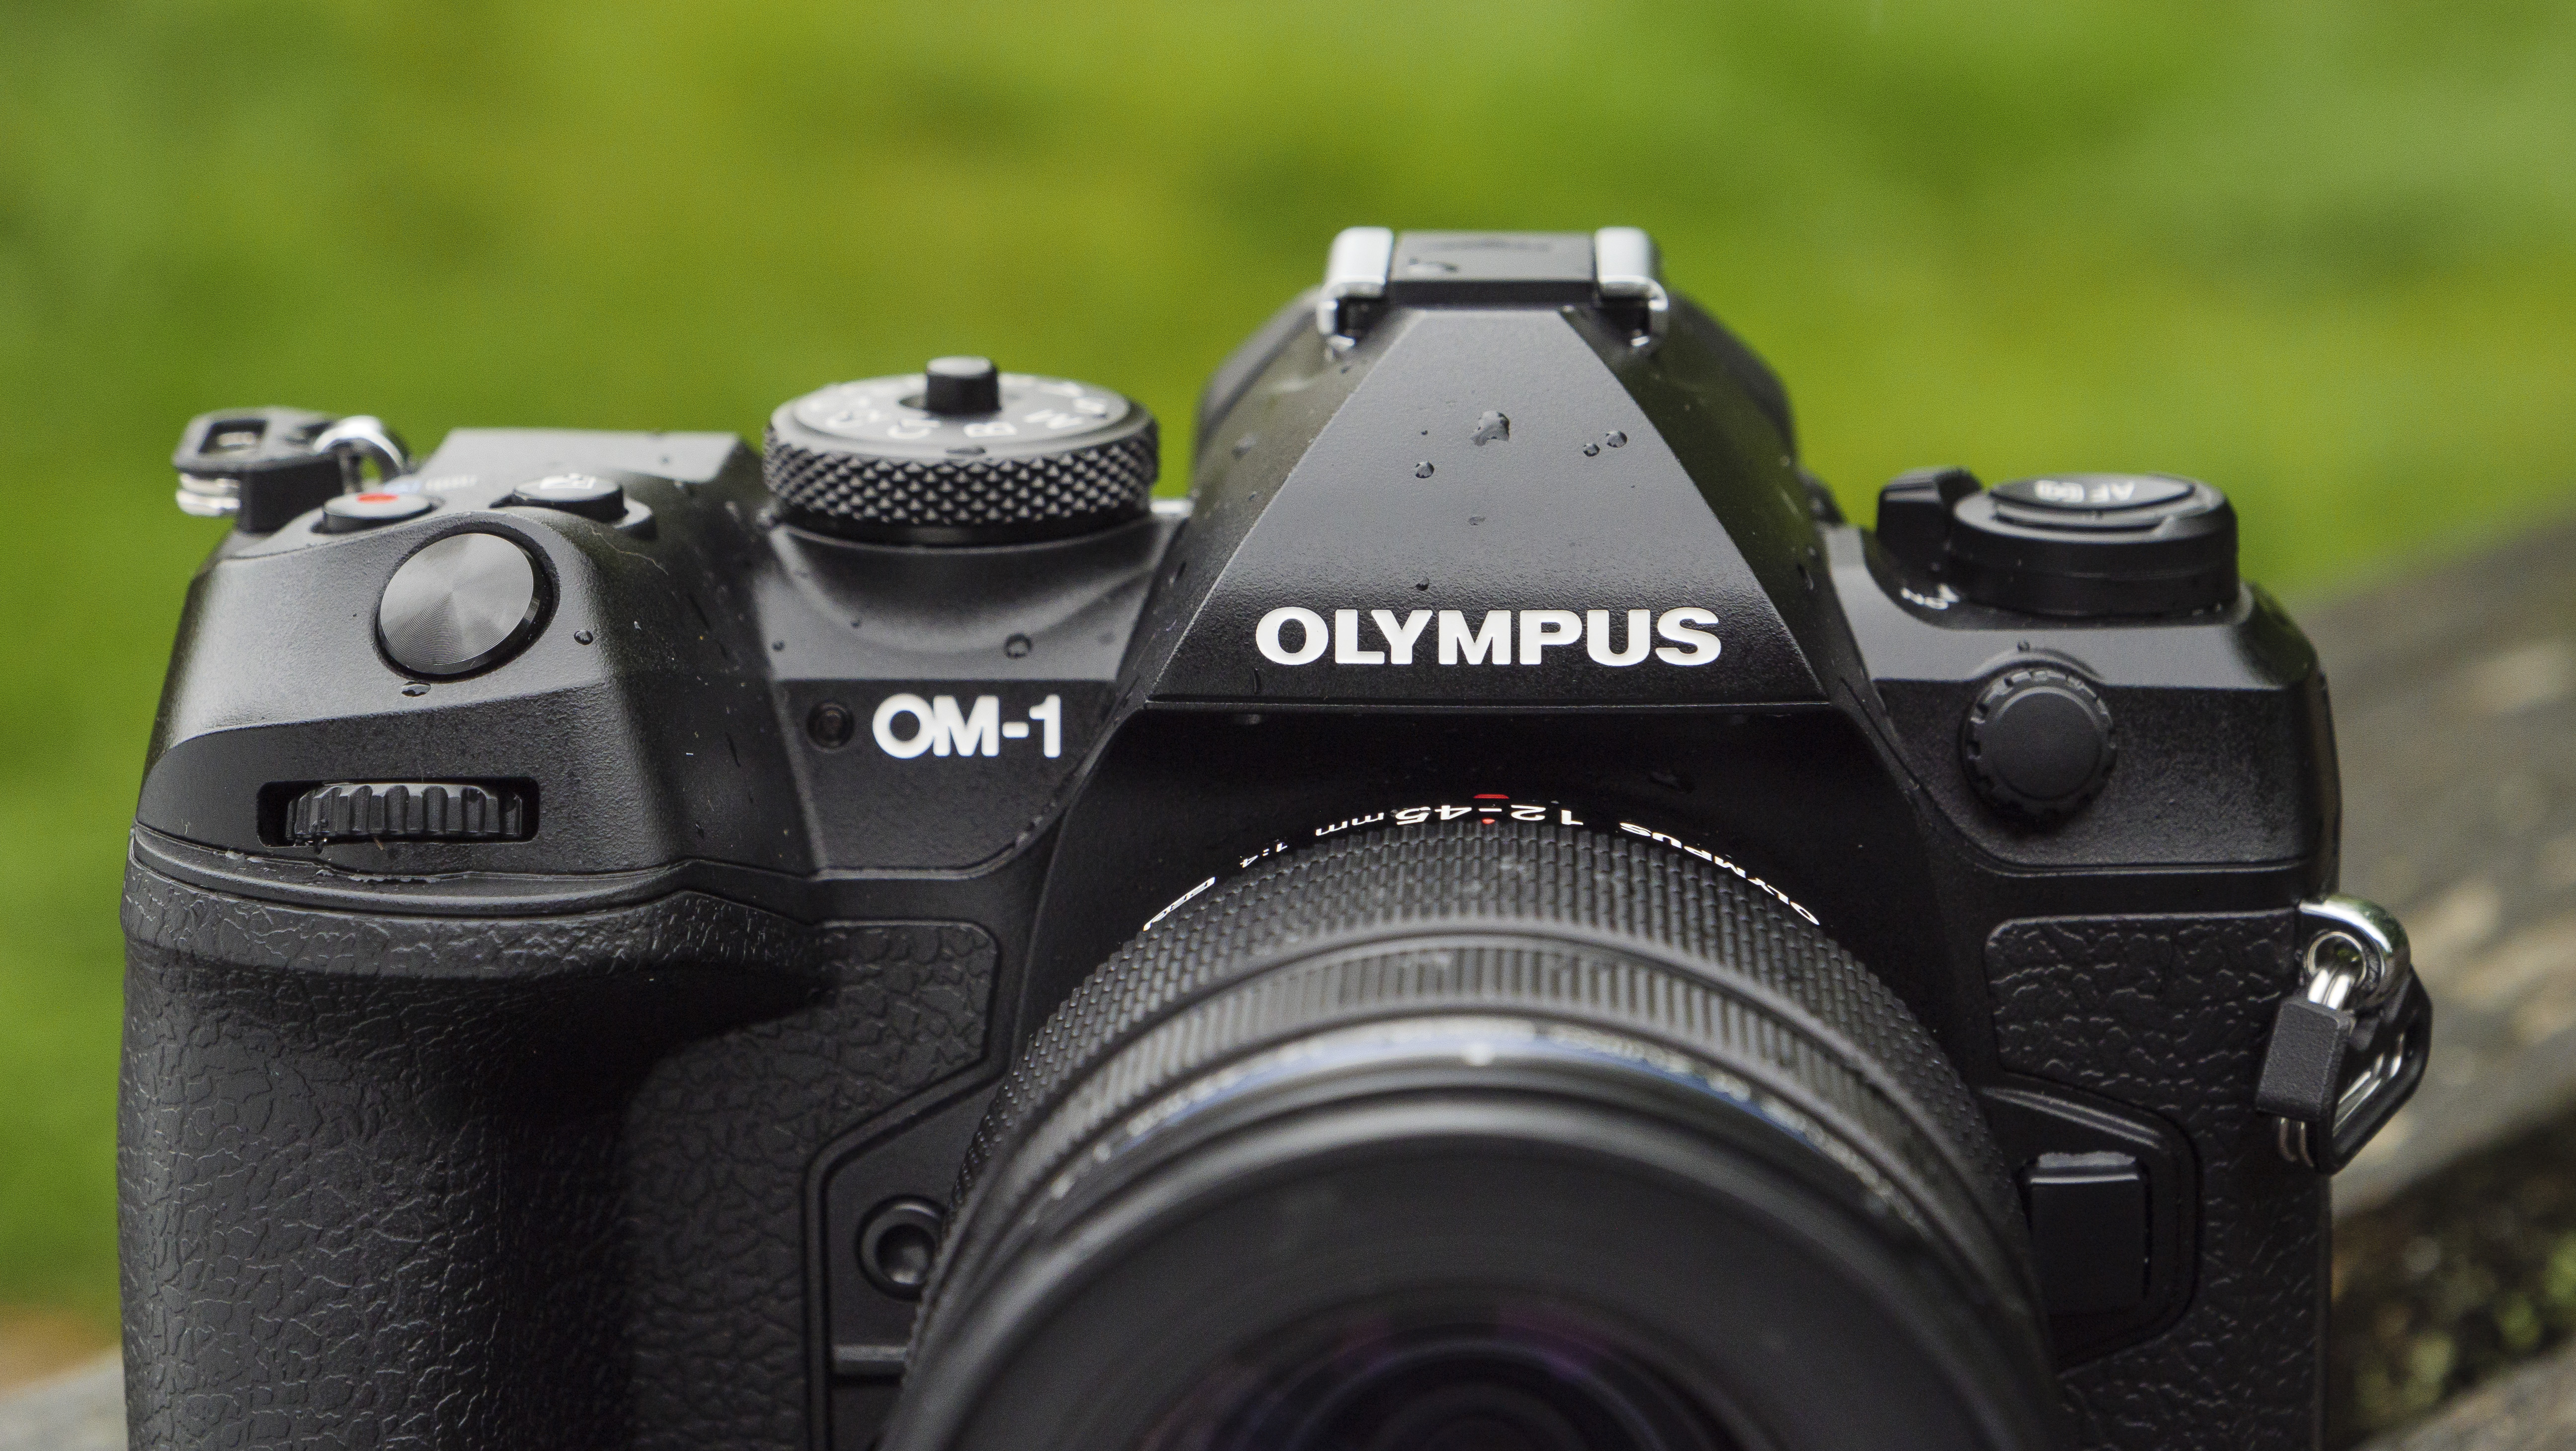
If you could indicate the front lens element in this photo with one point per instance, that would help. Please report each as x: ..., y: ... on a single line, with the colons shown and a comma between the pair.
x: 1519, y: 1377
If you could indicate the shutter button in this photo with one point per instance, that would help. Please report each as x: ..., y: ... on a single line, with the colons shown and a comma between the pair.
x: 349, y: 513
x: 465, y: 603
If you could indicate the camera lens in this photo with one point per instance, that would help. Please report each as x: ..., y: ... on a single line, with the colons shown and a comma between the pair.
x: 1522, y: 1376
x: 1482, y: 1137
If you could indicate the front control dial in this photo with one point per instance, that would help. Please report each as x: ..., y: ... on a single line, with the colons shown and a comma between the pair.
x: 411, y: 811
x: 961, y: 453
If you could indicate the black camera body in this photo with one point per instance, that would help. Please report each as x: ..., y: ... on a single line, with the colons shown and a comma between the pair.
x: 588, y: 891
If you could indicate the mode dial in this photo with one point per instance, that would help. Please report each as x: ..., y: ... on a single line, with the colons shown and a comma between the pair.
x: 961, y: 453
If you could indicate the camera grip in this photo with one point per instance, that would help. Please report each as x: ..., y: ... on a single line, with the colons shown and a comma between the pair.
x: 2171, y: 1014
x: 382, y: 1180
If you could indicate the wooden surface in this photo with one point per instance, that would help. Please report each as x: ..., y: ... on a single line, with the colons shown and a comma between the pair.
x: 2528, y: 1409
x: 2455, y: 712
x: 83, y: 1410
x: 2455, y: 708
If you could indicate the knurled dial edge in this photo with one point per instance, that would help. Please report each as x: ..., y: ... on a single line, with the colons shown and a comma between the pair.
x: 1057, y: 457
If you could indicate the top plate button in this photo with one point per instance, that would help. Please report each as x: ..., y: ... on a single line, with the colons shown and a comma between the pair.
x: 583, y: 494
x: 2094, y: 493
x: 349, y: 513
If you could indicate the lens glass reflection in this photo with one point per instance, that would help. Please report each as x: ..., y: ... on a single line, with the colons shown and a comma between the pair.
x: 1497, y: 1377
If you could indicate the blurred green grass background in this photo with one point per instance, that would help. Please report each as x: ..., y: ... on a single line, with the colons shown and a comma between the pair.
x: 2322, y: 254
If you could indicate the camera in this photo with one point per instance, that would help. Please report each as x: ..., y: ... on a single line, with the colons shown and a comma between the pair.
x: 1501, y: 923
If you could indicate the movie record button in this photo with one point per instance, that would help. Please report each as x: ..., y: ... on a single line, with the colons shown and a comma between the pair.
x: 349, y: 513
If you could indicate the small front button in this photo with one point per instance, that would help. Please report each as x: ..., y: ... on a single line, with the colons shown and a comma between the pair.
x: 349, y: 513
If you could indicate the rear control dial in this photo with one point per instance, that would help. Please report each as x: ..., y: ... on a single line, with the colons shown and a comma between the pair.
x: 961, y: 453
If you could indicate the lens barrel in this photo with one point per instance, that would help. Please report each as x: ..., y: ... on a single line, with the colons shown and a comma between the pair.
x: 1481, y: 1136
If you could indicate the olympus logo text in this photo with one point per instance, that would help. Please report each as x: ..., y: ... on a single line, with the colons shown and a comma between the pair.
x: 1290, y: 635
